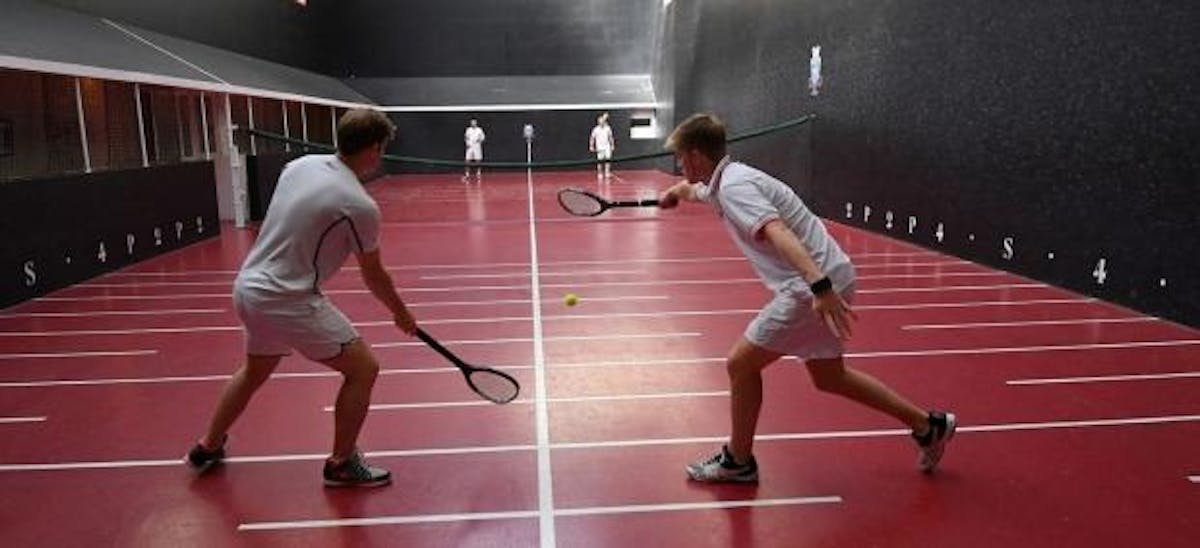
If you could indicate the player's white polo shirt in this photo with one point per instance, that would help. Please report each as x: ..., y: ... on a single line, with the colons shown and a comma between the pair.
x: 747, y: 199
x: 319, y: 215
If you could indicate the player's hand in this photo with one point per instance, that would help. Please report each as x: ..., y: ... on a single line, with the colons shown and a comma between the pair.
x: 836, y: 314
x: 405, y: 322
x: 668, y: 199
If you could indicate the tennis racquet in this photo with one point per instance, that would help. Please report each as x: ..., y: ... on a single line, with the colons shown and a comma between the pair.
x: 493, y: 385
x: 586, y: 204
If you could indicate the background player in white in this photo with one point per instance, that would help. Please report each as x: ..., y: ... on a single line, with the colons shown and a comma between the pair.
x: 474, y: 138
x: 809, y: 317
x: 602, y: 143
x: 319, y: 215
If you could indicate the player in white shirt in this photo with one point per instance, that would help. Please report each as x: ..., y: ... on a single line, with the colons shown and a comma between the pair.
x: 602, y: 143
x: 473, y: 138
x: 319, y: 215
x: 810, y: 315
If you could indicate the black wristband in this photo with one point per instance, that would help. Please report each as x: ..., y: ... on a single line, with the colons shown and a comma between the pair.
x: 820, y: 286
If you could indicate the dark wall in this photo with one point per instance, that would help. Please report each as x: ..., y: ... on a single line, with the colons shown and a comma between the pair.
x: 561, y: 135
x: 1041, y: 137
x: 509, y: 37
x: 64, y: 230
x: 274, y: 30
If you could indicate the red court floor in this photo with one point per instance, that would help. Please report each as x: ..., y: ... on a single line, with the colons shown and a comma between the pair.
x: 1080, y: 420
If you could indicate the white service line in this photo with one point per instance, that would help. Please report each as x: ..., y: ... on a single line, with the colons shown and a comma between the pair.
x: 1104, y: 378
x: 1022, y: 349
x: 529, y: 514
x: 476, y: 266
x: 685, y: 506
x: 171, y: 312
x: 524, y: 275
x: 83, y: 354
x: 973, y: 304
x: 948, y: 288
x: 1031, y: 323
x: 1194, y: 479
x: 556, y: 339
x: 260, y: 459
x: 699, y: 361
x: 386, y: 520
x: 852, y: 434
x: 461, y: 289
x: 826, y: 435
x: 224, y: 377
x: 19, y: 420
x: 575, y: 399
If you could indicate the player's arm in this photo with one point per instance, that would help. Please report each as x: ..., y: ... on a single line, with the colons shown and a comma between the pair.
x: 377, y: 279
x: 826, y: 302
x: 681, y: 191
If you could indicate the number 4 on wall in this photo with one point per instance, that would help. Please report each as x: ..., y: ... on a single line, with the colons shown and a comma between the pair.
x: 1101, y: 272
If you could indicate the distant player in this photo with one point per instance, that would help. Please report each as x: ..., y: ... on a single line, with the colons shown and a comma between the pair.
x: 473, y: 138
x: 603, y: 144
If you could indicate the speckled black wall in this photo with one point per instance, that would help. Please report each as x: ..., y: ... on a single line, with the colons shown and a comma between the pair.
x: 1043, y: 137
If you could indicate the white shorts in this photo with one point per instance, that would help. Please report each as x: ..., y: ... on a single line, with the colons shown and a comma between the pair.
x: 275, y: 325
x: 603, y: 154
x: 789, y: 326
x: 474, y: 153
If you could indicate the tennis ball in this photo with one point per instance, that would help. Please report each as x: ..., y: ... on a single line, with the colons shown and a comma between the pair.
x: 571, y: 299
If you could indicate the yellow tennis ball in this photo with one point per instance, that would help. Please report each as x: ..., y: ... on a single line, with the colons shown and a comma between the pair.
x: 571, y: 299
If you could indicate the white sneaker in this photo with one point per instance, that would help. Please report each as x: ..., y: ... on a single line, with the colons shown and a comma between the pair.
x: 722, y: 468
x: 933, y: 443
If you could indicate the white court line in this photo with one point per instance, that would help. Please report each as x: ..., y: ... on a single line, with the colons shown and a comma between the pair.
x: 1104, y: 378
x: 19, y: 420
x: 851, y: 434
x: 826, y: 435
x: 229, y: 283
x: 562, y: 338
x: 974, y: 304
x: 1077, y: 321
x: 627, y: 363
x: 260, y: 459
x: 388, y: 520
x: 113, y: 313
x: 225, y: 377
x: 948, y: 288
x: 84, y: 354
x: 1194, y: 479
x: 541, y: 408
x: 519, y: 514
x: 575, y: 399
x: 460, y: 289
x: 473, y: 266
x: 1022, y: 349
x: 933, y: 275
x: 523, y: 275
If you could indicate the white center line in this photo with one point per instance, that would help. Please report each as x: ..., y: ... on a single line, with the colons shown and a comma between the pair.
x: 541, y: 408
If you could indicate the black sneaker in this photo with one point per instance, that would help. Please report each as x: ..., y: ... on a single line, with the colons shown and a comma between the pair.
x: 933, y: 443
x: 354, y: 472
x: 722, y: 468
x: 201, y: 459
